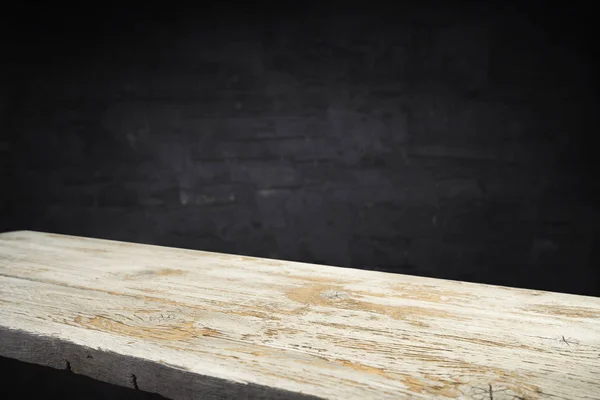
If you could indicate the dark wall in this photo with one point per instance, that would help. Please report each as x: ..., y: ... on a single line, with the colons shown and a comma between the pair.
x: 448, y: 142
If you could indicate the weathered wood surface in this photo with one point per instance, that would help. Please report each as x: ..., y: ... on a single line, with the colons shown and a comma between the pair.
x: 190, y: 324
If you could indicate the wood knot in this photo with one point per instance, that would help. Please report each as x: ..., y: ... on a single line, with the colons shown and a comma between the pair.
x: 335, y: 295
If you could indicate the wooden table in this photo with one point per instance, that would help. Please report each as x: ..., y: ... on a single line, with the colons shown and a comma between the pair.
x: 192, y: 324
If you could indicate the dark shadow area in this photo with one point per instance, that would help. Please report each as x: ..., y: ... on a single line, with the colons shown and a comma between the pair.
x: 22, y: 380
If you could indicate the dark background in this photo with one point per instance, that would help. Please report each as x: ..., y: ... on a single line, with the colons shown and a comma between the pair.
x: 434, y: 140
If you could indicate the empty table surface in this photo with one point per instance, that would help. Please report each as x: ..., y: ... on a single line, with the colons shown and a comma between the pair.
x: 193, y: 324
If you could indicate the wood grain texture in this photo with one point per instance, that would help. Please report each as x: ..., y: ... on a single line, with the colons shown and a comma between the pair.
x: 191, y: 324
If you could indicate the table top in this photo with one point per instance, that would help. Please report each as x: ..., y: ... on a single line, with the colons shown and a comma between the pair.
x: 193, y: 324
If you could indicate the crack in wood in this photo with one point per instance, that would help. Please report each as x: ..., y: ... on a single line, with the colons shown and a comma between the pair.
x: 134, y: 382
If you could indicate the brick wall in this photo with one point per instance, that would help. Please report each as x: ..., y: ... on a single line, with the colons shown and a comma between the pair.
x: 431, y: 142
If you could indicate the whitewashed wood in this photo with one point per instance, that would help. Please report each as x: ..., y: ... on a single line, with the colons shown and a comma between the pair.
x: 190, y: 324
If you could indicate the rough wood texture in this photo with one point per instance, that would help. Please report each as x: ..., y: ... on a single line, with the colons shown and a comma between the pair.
x: 190, y: 324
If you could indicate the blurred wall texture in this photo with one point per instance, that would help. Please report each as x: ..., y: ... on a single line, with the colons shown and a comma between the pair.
x: 429, y: 140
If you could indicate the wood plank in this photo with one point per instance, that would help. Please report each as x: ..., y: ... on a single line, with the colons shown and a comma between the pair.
x: 191, y: 324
